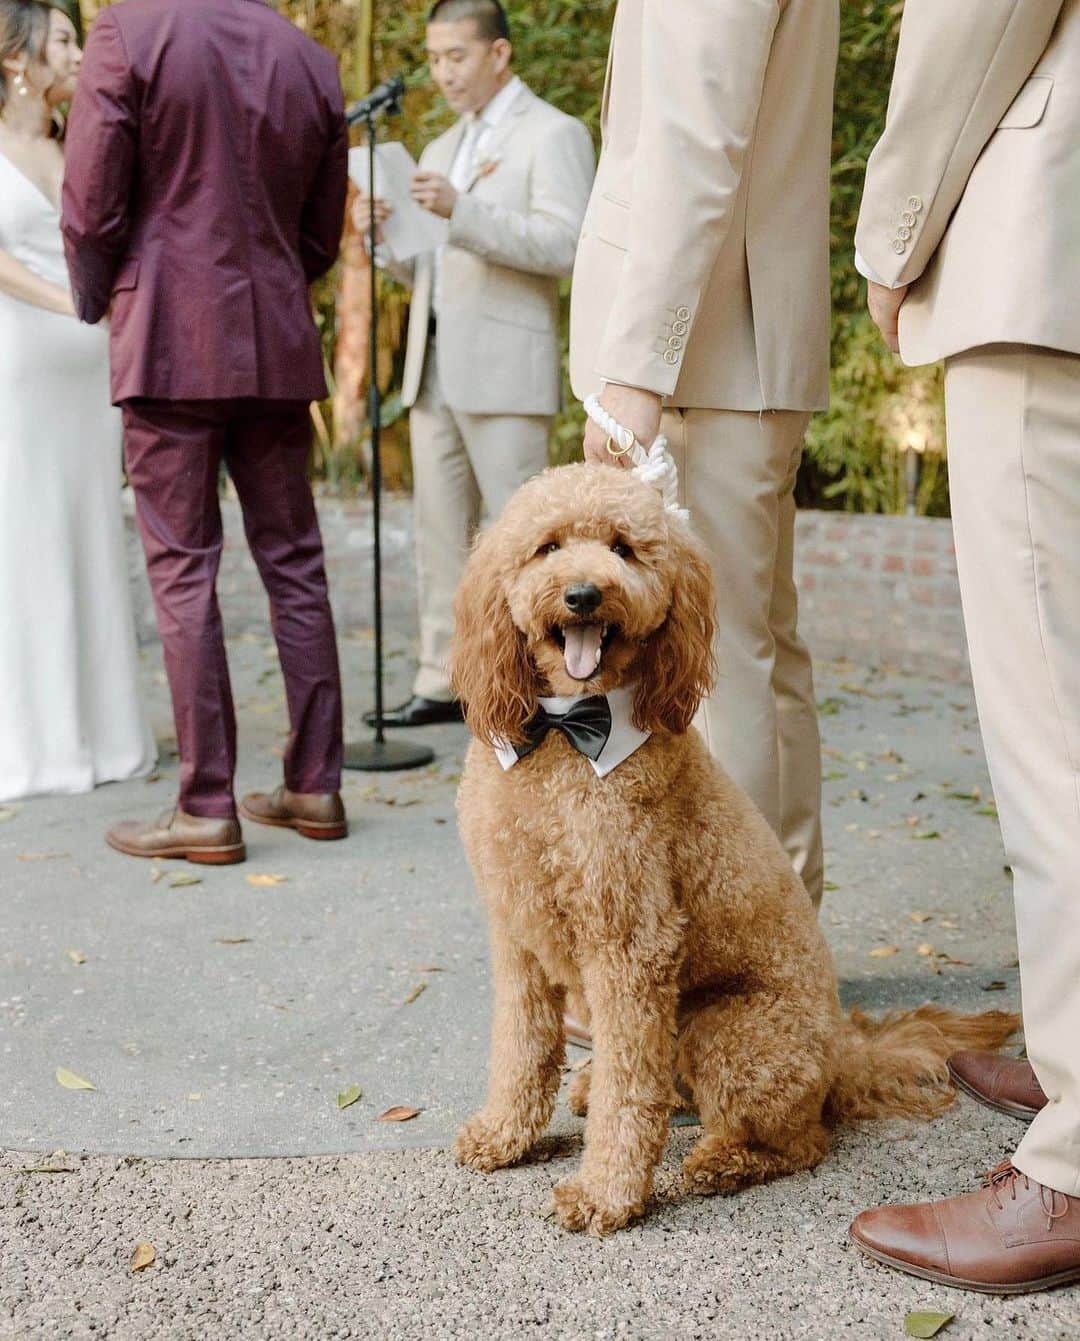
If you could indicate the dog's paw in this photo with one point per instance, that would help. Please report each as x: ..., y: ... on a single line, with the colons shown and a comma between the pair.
x: 577, y: 1097
x: 581, y: 1209
x: 485, y: 1146
x: 711, y: 1170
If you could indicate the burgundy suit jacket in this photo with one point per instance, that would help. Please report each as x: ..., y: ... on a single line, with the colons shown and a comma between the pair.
x: 205, y: 189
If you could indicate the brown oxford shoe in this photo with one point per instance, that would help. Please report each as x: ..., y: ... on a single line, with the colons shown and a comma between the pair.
x: 1011, y: 1237
x: 1006, y: 1084
x: 321, y: 817
x: 206, y: 841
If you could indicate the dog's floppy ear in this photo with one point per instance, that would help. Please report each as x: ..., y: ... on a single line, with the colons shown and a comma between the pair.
x: 677, y: 667
x: 492, y: 672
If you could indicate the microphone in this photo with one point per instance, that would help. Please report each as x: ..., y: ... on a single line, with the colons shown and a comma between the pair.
x: 383, y: 98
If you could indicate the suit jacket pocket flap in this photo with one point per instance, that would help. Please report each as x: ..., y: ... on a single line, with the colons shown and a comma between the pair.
x: 1029, y: 104
x: 127, y: 277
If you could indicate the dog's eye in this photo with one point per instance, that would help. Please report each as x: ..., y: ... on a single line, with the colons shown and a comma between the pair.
x: 622, y: 549
x: 551, y: 547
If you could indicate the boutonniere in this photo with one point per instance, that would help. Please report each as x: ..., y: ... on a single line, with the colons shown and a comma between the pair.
x: 484, y: 169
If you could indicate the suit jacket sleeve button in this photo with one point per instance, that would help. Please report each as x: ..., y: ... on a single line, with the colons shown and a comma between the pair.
x: 914, y: 204
x: 682, y: 313
x: 899, y: 246
x: 670, y: 356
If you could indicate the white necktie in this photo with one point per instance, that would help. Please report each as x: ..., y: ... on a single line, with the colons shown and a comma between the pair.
x: 461, y: 177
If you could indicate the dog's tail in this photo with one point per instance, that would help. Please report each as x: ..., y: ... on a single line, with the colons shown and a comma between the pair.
x: 895, y: 1066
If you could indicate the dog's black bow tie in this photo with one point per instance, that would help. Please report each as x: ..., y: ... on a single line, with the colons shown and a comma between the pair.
x: 586, y: 726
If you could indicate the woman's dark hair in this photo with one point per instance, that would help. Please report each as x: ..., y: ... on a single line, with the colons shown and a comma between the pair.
x: 24, y: 26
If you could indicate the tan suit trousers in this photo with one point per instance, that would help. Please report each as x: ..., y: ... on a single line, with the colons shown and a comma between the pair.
x: 462, y: 464
x: 1014, y: 469
x: 737, y: 477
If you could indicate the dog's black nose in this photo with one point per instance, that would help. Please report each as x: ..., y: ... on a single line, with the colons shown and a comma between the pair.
x: 583, y: 597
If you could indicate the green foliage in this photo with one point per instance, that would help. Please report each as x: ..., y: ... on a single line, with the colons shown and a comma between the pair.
x: 855, y: 450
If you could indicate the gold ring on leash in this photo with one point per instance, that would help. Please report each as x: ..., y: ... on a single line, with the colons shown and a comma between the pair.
x: 619, y: 451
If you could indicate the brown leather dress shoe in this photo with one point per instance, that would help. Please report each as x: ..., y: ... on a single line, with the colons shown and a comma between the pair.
x: 1012, y: 1237
x: 321, y: 817
x: 209, y: 842
x: 1006, y: 1084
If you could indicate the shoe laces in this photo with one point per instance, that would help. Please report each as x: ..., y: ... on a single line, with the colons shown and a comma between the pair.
x: 1003, y: 1178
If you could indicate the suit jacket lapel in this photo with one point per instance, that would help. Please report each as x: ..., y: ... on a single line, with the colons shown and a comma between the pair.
x: 442, y: 153
x: 494, y: 146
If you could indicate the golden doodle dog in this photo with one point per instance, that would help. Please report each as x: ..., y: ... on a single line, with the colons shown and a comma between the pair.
x: 652, y: 891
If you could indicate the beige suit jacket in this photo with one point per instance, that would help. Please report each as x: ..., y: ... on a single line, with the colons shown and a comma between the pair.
x: 973, y: 192
x: 512, y: 237
x: 702, y: 271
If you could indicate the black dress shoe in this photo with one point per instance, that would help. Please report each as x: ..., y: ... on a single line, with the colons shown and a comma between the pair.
x: 420, y: 712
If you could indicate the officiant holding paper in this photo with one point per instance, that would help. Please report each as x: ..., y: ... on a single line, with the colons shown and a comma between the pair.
x: 482, y: 366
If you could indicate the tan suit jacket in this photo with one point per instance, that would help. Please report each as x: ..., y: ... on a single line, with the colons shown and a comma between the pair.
x: 973, y: 193
x: 513, y: 234
x: 702, y: 271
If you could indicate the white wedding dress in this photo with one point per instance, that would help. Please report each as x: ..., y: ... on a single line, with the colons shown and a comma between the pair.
x: 71, y: 712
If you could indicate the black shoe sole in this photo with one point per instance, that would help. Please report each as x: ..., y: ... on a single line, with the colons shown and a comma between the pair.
x: 393, y: 723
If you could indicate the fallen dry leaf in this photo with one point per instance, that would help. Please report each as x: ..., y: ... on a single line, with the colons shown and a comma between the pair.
x: 884, y: 951
x: 266, y: 881
x: 76, y: 956
x: 926, y: 1325
x: 71, y: 1081
x: 143, y: 1256
x: 418, y: 990
x: 182, y: 880
x: 349, y: 1096
x: 58, y: 1162
x: 926, y: 948
x: 399, y: 1114
x: 43, y: 856
x: 921, y: 917
x: 944, y: 958
x: 996, y: 986
x: 233, y: 940
x: 156, y: 874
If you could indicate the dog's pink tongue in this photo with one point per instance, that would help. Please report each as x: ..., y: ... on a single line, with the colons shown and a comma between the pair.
x: 582, y: 651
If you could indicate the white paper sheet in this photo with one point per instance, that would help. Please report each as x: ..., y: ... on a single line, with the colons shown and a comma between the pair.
x: 411, y: 229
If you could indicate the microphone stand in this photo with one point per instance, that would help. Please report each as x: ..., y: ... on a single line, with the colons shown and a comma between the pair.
x: 379, y: 755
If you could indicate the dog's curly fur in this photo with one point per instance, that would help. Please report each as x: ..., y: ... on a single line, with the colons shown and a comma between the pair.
x: 657, y: 897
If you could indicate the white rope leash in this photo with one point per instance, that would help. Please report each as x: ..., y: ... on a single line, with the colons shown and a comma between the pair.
x: 655, y: 465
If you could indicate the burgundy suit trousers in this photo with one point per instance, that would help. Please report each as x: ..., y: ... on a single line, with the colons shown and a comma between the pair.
x: 173, y: 452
